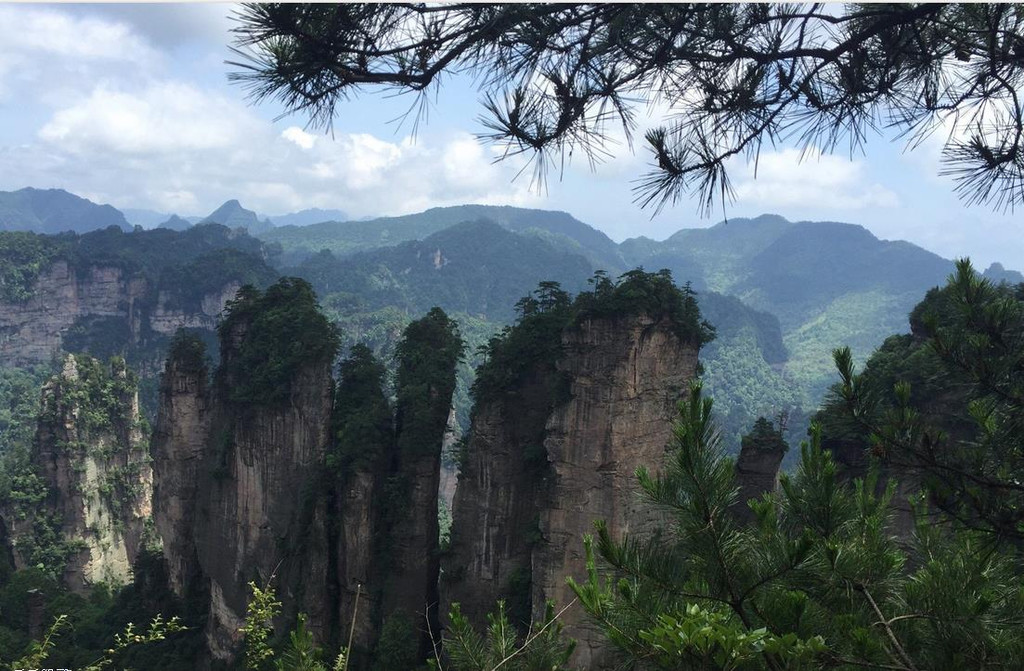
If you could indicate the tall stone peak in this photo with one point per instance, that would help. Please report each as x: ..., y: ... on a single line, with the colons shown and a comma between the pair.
x: 557, y: 453
x: 93, y: 478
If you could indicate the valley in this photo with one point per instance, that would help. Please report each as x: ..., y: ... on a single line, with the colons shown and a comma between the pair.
x: 238, y: 405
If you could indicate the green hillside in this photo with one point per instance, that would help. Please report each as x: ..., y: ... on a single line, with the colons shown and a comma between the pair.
x: 781, y: 294
x: 478, y: 270
x: 342, y: 238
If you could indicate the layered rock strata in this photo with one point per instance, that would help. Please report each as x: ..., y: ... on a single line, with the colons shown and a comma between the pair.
x: 31, y: 332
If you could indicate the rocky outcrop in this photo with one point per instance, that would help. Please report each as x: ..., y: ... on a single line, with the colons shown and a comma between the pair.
x: 31, y: 332
x: 262, y: 479
x: 545, y: 462
x: 91, y: 455
x: 430, y: 349
x: 237, y: 494
x: 179, y: 449
x: 757, y: 468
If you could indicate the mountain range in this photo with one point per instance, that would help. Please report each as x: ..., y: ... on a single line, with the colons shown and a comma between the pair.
x: 783, y: 294
x: 55, y: 211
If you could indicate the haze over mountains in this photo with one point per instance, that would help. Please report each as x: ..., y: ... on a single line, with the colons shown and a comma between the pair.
x: 782, y: 294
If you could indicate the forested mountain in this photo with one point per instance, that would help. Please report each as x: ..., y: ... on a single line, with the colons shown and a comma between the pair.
x: 343, y: 238
x: 819, y: 285
x: 782, y: 294
x: 110, y: 292
x: 830, y: 284
x: 54, y: 211
x: 233, y: 215
x: 476, y: 267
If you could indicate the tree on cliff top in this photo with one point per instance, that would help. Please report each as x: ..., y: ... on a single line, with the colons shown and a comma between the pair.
x: 282, y: 330
x: 733, y: 77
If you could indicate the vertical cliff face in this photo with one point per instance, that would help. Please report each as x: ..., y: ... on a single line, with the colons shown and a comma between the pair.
x: 258, y: 512
x: 427, y: 356
x: 238, y: 482
x: 503, y: 482
x: 91, y: 458
x: 63, y: 296
x: 179, y: 451
x: 262, y: 474
x: 545, y: 462
x: 625, y: 382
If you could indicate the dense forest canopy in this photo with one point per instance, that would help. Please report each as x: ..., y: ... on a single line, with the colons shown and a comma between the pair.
x: 535, y: 338
x: 279, y: 332
x: 207, y: 256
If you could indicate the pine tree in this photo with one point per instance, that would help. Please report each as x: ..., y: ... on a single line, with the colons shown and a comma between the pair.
x: 818, y: 580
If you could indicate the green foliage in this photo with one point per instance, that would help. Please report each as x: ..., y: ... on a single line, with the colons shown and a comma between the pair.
x: 427, y: 356
x: 40, y: 650
x: 260, y: 612
x: 22, y: 257
x: 745, y: 386
x: 501, y: 646
x: 19, y: 405
x: 712, y: 639
x: 535, y: 341
x: 102, y: 394
x: 97, y: 630
x: 158, y: 630
x: 188, y: 352
x: 301, y: 653
x: 362, y: 415
x: 397, y: 647
x: 817, y: 580
x: 654, y: 294
x: 947, y: 402
x: 210, y: 272
x: 281, y: 331
x: 764, y: 437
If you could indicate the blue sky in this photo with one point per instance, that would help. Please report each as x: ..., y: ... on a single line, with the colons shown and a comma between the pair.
x: 130, y: 105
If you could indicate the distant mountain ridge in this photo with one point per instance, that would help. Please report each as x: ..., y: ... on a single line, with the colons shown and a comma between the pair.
x: 55, y: 211
x: 307, y: 217
x: 233, y: 215
x: 343, y: 238
x: 785, y: 293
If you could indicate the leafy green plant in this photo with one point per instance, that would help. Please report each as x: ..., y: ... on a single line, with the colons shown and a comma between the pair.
x: 301, y: 653
x: 260, y: 612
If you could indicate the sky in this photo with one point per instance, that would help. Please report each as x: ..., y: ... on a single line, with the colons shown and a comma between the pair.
x: 131, y: 105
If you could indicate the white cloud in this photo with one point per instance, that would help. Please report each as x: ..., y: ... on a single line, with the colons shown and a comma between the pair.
x: 168, y: 117
x: 49, y: 53
x: 789, y: 178
x: 300, y: 137
x: 48, y: 31
x: 177, y: 147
